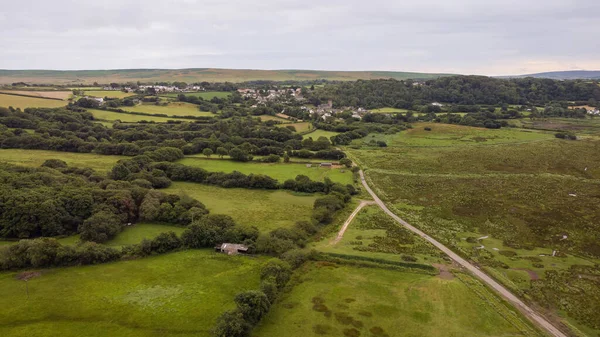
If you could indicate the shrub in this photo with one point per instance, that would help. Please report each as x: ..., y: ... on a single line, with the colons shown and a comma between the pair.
x: 508, y: 253
x: 427, y: 128
x: 253, y: 305
x: 54, y: 163
x: 100, y: 227
x: 277, y: 270
x: 231, y: 324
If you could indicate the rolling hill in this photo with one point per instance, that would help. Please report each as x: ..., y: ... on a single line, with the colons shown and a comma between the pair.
x: 75, y: 77
x: 564, y: 75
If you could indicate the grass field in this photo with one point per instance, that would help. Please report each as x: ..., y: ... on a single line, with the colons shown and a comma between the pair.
x: 42, y: 94
x: 265, y: 118
x: 320, y: 133
x: 279, y: 171
x: 264, y: 209
x: 136, y: 233
x: 177, y: 294
x: 109, y: 93
x: 388, y: 110
x: 206, y: 95
x: 36, y: 158
x: 172, y: 109
x: 337, y: 300
x: 300, y: 127
x: 129, y: 118
x: 29, y: 102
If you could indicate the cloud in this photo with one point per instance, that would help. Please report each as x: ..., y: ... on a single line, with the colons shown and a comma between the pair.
x: 463, y: 36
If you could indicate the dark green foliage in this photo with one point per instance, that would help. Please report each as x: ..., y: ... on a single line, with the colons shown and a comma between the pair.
x: 100, y: 227
x: 231, y: 324
x: 54, y: 163
x: 253, y: 305
x: 276, y: 270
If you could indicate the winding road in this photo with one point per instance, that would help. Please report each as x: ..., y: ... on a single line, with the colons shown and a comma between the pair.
x: 530, y: 313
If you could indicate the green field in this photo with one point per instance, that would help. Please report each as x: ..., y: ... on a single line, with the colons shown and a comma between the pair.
x: 172, y: 109
x: 338, y: 300
x: 388, y: 110
x: 265, y: 118
x: 177, y: 294
x: 29, y: 102
x: 279, y: 171
x: 135, y: 234
x: 300, y: 127
x: 130, y: 118
x: 206, y: 95
x: 320, y: 133
x: 109, y: 93
x: 35, y: 158
x: 264, y: 209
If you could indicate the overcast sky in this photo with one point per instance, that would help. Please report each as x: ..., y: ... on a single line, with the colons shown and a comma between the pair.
x: 490, y: 37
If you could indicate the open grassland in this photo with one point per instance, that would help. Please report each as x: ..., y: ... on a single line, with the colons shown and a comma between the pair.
x: 266, y: 118
x: 109, y: 93
x: 130, y: 118
x: 206, y: 95
x: 29, y: 102
x: 320, y: 133
x: 267, y: 210
x: 509, y: 199
x: 580, y: 127
x: 374, y: 234
x: 36, y: 158
x: 194, y: 75
x: 336, y: 300
x: 62, y: 95
x: 135, y: 234
x: 279, y: 171
x: 301, y: 127
x: 172, y: 109
x: 177, y: 294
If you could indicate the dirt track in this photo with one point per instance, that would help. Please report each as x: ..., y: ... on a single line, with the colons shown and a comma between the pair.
x: 362, y: 204
x: 524, y: 308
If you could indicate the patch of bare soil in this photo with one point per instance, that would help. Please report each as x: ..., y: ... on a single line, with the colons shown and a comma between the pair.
x: 445, y: 273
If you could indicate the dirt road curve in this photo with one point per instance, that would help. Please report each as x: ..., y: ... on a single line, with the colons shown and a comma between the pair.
x: 340, y: 235
x: 535, y: 317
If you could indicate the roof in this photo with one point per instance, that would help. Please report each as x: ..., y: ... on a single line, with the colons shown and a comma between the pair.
x: 232, y: 246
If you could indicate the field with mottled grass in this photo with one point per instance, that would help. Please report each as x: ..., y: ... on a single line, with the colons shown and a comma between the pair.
x: 29, y: 102
x: 36, y: 158
x: 320, y: 133
x: 171, y: 109
x: 176, y: 294
x: 104, y: 115
x: 108, y: 93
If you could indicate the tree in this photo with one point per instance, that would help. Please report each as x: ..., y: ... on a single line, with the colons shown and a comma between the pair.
x: 346, y: 162
x: 277, y: 270
x: 231, y: 324
x: 119, y: 172
x: 221, y: 151
x: 100, y: 227
x: 239, y: 155
x: 207, y: 152
x: 286, y: 158
x: 150, y: 206
x: 253, y: 305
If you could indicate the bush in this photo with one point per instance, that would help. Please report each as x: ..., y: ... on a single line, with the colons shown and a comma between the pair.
x: 253, y: 305
x: 277, y: 270
x: 54, y: 163
x: 508, y: 253
x: 231, y: 324
x: 100, y: 227
x: 427, y: 128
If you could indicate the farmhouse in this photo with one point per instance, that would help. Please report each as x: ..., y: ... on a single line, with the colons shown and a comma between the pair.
x: 231, y: 248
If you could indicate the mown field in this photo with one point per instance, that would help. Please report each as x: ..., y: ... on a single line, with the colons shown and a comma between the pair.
x: 29, y: 102
x: 267, y: 210
x: 320, y: 133
x: 172, y: 109
x: 279, y: 171
x: 176, y: 294
x: 509, y: 199
x: 336, y: 300
x: 108, y: 93
x: 130, y: 118
x: 36, y: 158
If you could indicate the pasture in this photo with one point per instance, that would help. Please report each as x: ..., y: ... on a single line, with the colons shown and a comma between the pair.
x: 171, y: 109
x: 176, y: 294
x: 279, y: 171
x: 301, y: 127
x: 266, y: 118
x: 135, y: 234
x: 389, y: 110
x: 23, y: 102
x: 36, y: 158
x: 338, y: 300
x: 62, y: 95
x: 130, y: 118
x: 267, y: 210
x: 108, y: 93
x: 320, y: 133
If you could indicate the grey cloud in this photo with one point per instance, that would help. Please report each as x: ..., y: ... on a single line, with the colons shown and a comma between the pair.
x: 464, y: 36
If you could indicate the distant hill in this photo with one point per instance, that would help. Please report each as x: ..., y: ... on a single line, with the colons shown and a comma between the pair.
x: 564, y: 75
x: 193, y: 75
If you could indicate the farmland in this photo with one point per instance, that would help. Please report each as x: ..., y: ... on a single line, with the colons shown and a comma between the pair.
x: 206, y: 95
x: 172, y: 109
x: 267, y: 210
x: 136, y: 233
x: 108, y: 93
x: 177, y: 294
x: 279, y: 171
x: 111, y: 116
x: 23, y: 102
x: 301, y: 127
x: 35, y: 158
x: 62, y: 95
x: 320, y: 133
x: 340, y: 300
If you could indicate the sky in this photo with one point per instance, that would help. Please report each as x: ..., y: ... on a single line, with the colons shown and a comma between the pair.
x: 487, y: 37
